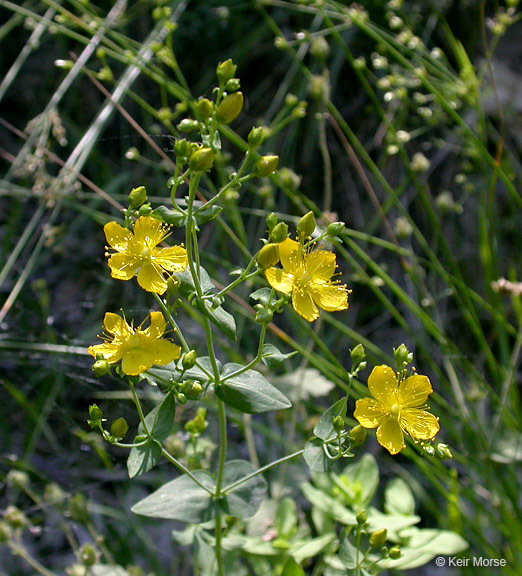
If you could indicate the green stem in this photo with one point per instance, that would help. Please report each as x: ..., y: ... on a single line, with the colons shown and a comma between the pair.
x: 19, y: 550
x: 255, y: 361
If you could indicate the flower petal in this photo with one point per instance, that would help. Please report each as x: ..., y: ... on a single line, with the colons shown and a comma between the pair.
x: 419, y: 424
x: 382, y: 384
x: 157, y: 326
x: 136, y: 360
x: 369, y: 413
x: 279, y: 280
x: 163, y: 352
x: 328, y: 296
x: 149, y: 231
x: 414, y: 391
x: 389, y: 435
x: 173, y: 259
x: 110, y: 352
x: 320, y: 264
x: 304, y: 305
x: 117, y: 236
x: 151, y: 279
x: 290, y: 255
x: 116, y: 325
x: 123, y: 266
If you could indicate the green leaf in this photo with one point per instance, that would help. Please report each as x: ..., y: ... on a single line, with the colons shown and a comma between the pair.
x: 181, y: 499
x: 164, y: 214
x: 309, y: 548
x: 142, y: 458
x: 243, y: 501
x: 187, y: 286
x: 392, y: 522
x: 218, y: 316
x: 250, y: 391
x: 324, y: 428
x: 361, y: 480
x: 262, y: 295
x: 271, y: 356
x: 207, y: 214
x: 398, y: 498
x: 327, y: 504
x: 348, y: 553
x: 292, y: 568
x: 171, y: 372
x: 160, y: 420
x: 315, y: 457
x: 286, y: 518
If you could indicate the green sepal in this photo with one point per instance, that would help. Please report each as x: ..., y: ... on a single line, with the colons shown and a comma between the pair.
x: 250, y: 391
x: 143, y: 458
x: 164, y: 214
x: 271, y: 356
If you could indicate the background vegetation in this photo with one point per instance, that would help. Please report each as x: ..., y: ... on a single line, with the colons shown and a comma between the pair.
x: 385, y: 116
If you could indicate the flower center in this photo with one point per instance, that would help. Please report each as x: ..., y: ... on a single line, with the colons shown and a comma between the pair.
x: 395, y: 410
x: 145, y: 253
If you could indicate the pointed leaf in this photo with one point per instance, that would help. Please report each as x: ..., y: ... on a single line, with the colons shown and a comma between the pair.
x: 292, y: 568
x: 187, y: 286
x: 219, y: 317
x: 142, y: 458
x: 324, y: 428
x: 315, y: 457
x: 243, y: 501
x: 262, y: 295
x: 327, y: 504
x: 250, y: 391
x: 181, y: 499
x: 160, y: 420
x: 207, y: 214
x: 398, y: 498
x: 271, y: 356
x: 164, y: 214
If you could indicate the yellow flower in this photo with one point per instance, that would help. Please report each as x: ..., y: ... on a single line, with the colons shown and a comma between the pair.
x: 139, y: 252
x: 307, y: 277
x: 396, y: 408
x: 138, y: 349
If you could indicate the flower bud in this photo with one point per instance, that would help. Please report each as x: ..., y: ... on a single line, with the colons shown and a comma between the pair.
x: 265, y: 166
x: 378, y: 538
x: 335, y: 228
x: 137, y: 197
x: 338, y: 423
x: 77, y: 506
x: 199, y: 423
x: 256, y: 137
x: 362, y: 517
x: 18, y: 479
x: 357, y: 354
x: 444, y: 452
x: 53, y: 494
x: 192, y: 389
x: 181, y: 398
x: 233, y: 85
x: 319, y: 48
x: 289, y: 179
x: 402, y: 356
x: 395, y: 552
x: 268, y: 255
x: 182, y: 148
x: 204, y: 108
x: 101, y: 367
x: 271, y: 221
x: 202, y: 160
x: 188, y: 125
x: 225, y: 70
x: 230, y: 107
x: 279, y: 233
x: 189, y: 359
x: 306, y: 225
x: 264, y: 315
x: 429, y: 450
x: 87, y: 555
x: 119, y: 428
x: 15, y: 518
x: 95, y: 416
x: 145, y: 210
x: 357, y: 435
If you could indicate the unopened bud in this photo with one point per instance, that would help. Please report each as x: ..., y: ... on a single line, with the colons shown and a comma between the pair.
x: 77, y: 506
x: 335, y: 228
x: 182, y: 148
x: 15, y: 518
x: 395, y: 552
x: 225, y: 70
x: 378, y: 538
x: 202, y: 160
x: 95, y: 416
x: 189, y: 359
x: 192, y: 389
x: 18, y: 479
x: 119, y: 428
x: 204, y: 108
x: 264, y: 315
x: 357, y: 435
x: 271, y: 221
x: 265, y: 166
x: 87, y: 555
x: 444, y: 452
x: 188, y: 125
x: 268, y: 256
x: 145, y: 210
x: 362, y: 517
x: 53, y: 494
x: 319, y: 48
x: 233, y: 85
x: 101, y: 367
x: 256, y: 137
x: 338, y: 423
x: 429, y: 450
x: 137, y: 197
x: 279, y: 233
x: 230, y: 107
x: 306, y: 225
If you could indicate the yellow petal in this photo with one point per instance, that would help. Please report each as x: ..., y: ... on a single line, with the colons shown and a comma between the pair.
x: 173, y: 259
x: 117, y: 236
x: 279, y: 280
x: 414, y: 391
x: 157, y: 326
x: 328, y: 296
x: 163, y: 352
x: 135, y: 361
x: 419, y: 424
x: 304, y: 305
x: 116, y: 325
x: 320, y: 264
x: 149, y: 231
x: 382, y: 383
x: 122, y: 266
x: 109, y: 351
x: 290, y: 255
x: 389, y: 435
x: 151, y: 279
x: 369, y: 413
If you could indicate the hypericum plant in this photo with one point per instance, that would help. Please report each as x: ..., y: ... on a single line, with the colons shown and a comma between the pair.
x: 298, y: 271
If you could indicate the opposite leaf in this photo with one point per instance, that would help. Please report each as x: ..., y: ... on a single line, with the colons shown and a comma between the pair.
x: 143, y: 458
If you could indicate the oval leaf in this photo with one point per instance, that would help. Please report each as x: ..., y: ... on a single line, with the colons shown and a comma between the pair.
x: 142, y: 458
x: 250, y: 391
x: 181, y: 499
x: 324, y: 428
x: 160, y: 419
x: 271, y: 356
x: 243, y: 501
x: 315, y: 457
